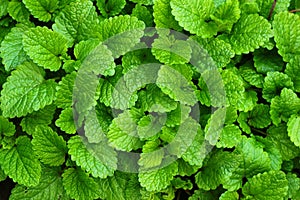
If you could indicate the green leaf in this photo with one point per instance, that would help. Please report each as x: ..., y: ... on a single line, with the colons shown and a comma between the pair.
x: 169, y: 50
x: 269, y: 185
x: 96, y: 124
x: 114, y: 188
x: 226, y: 15
x: 178, y: 116
x: 220, y: 51
x: 41, y: 117
x: 230, y: 136
x: 143, y: 2
x: 154, y: 100
x: 64, y: 91
x: 196, y: 151
x: 41, y: 9
x: 294, y: 129
x: 255, y: 159
x: 219, y: 165
x: 110, y: 8
x: 121, y: 33
x: 66, y: 121
x: 2, y: 175
x: 20, y: 163
x: 98, y: 159
x: 163, y: 17
x: 99, y: 61
x: 149, y: 126
x: 50, y: 187
x: 175, y: 85
x: 77, y: 21
x: 18, y: 11
x: 185, y: 169
x: 274, y: 83
x: 86, y: 187
x: 3, y: 8
x: 12, y: 50
x: 283, y: 106
x: 158, y: 179
x: 234, y: 87
x: 267, y: 61
x: 45, y: 47
x: 192, y: 16
x: 273, y: 152
x: 286, y: 35
x: 7, y: 128
x: 259, y: 117
x: 292, y: 70
x: 249, y: 33
x: 229, y: 196
x: 26, y: 91
x: 251, y: 76
x: 123, y: 131
x: 205, y: 195
x: 279, y: 137
x: 137, y: 58
x: 144, y: 14
x: 48, y: 146
x: 294, y: 185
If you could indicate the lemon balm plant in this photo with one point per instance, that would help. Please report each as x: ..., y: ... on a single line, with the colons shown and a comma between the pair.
x: 149, y: 99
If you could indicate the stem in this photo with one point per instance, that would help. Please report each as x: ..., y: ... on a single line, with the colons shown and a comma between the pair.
x: 296, y: 10
x: 178, y: 196
x: 272, y: 9
x: 259, y: 131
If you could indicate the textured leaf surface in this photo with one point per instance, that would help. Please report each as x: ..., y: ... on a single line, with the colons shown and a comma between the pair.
x: 64, y: 91
x: 41, y: 117
x: 26, y: 91
x: 275, y: 82
x: 110, y: 7
x: 163, y: 17
x: 18, y: 11
x: 226, y: 14
x: 249, y: 33
x: 50, y: 187
x: 255, y: 159
x: 42, y: 9
x: 220, y: 51
x: 168, y: 50
x: 77, y: 21
x: 49, y: 146
x: 280, y: 139
x: 66, y: 121
x: 268, y: 185
x: 7, y: 128
x: 12, y: 50
x: 283, y: 106
x: 294, y: 129
x: 220, y: 165
x: 98, y: 159
x: 192, y: 16
x: 121, y: 33
x: 86, y: 187
x: 286, y: 34
x: 123, y: 131
x: 175, y: 85
x: 158, y: 179
x: 292, y: 70
x: 45, y: 47
x: 20, y: 163
x: 259, y: 117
